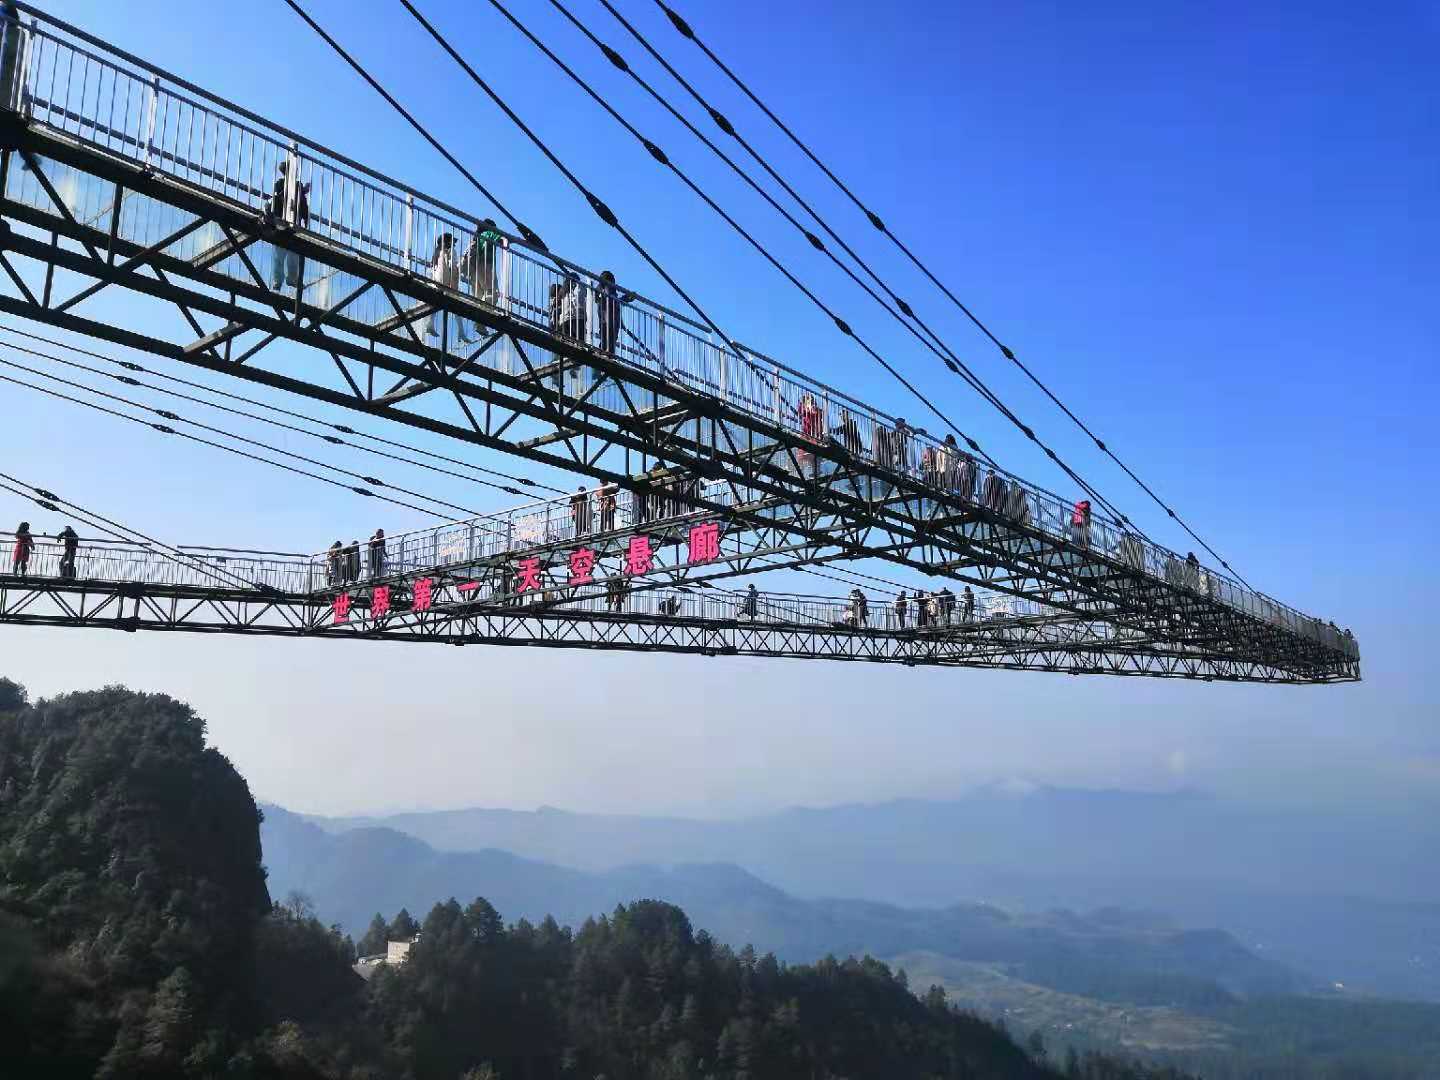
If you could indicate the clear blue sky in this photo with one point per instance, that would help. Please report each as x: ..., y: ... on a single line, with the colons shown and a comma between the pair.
x: 1212, y: 228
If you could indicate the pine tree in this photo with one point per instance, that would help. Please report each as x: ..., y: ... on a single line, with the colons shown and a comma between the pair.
x: 376, y: 937
x: 403, y: 928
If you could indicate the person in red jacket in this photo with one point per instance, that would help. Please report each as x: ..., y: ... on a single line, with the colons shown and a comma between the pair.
x: 1080, y: 523
x: 24, y: 545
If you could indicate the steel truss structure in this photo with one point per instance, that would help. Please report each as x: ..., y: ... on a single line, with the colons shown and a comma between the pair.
x: 784, y: 627
x: 147, y: 185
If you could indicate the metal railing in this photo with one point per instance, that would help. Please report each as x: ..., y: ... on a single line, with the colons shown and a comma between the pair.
x: 70, y: 82
x: 114, y: 562
x: 110, y: 562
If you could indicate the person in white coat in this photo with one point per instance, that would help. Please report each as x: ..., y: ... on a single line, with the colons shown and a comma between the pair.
x: 445, y: 272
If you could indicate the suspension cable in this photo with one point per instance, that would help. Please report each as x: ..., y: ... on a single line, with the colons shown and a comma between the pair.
x: 686, y: 31
x: 165, y: 429
x: 524, y: 230
x: 931, y: 339
x: 608, y: 216
x: 282, y: 411
x: 663, y: 159
x: 851, y: 577
x: 601, y: 210
x: 48, y: 500
x: 332, y: 439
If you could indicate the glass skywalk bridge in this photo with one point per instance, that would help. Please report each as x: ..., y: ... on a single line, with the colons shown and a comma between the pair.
x: 133, y: 587
x: 124, y: 175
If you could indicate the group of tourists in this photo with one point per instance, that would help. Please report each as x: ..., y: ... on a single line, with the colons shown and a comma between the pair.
x: 573, y: 304
x: 471, y: 271
x: 69, y: 541
x: 931, y: 609
x: 591, y: 510
x: 342, y: 561
x: 568, y: 305
x: 663, y: 494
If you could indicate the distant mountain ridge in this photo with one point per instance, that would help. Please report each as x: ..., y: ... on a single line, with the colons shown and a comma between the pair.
x: 353, y: 874
x: 1351, y: 899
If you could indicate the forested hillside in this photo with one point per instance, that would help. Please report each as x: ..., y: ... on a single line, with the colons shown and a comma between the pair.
x: 137, y: 939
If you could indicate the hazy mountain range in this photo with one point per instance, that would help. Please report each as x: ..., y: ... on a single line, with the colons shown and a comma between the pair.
x: 352, y: 875
x: 1343, y: 899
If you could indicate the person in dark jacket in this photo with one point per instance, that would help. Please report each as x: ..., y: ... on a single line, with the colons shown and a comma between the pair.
x: 902, y: 604
x: 552, y: 307
x: 377, y: 554
x: 606, y: 499
x: 352, y: 561
x: 580, y: 511
x: 70, y: 542
x: 850, y: 433
x: 904, y: 433
x: 335, y: 564
x: 616, y: 589
x: 965, y: 474
x: 610, y: 302
x: 750, y: 606
x: 477, y: 272
x: 285, y: 209
x: 1192, y: 571
x: 967, y: 605
x: 24, y: 545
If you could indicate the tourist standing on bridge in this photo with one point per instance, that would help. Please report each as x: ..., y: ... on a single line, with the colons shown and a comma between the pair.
x: 377, y: 554
x: 947, y: 605
x: 750, y: 606
x: 904, y: 434
x: 995, y: 492
x: 948, y: 461
x: 552, y: 307
x: 967, y: 606
x: 616, y: 589
x: 859, y: 607
x: 70, y: 545
x: 567, y: 308
x: 477, y: 270
x: 1017, y: 504
x: 289, y: 206
x: 812, y: 428
x: 352, y: 561
x: 335, y: 564
x: 965, y: 477
x: 901, y: 606
x: 24, y: 545
x: 850, y: 433
x: 444, y: 272
x: 1080, y: 524
x: 930, y: 466
x: 606, y: 496
x: 580, y: 511
x: 610, y: 303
